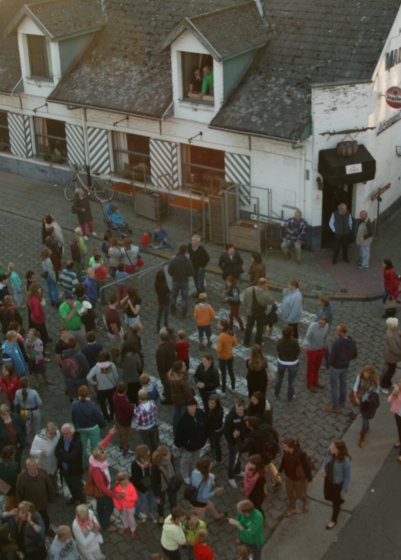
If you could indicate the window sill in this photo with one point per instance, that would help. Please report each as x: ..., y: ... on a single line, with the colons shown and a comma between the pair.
x: 197, y: 104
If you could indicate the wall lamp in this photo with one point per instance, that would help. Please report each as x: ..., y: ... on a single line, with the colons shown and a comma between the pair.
x: 196, y: 136
x: 120, y: 121
x: 40, y: 106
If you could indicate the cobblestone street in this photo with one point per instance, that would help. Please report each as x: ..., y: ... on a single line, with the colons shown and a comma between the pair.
x: 305, y: 418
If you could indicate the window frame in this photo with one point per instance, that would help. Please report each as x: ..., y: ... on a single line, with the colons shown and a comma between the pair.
x: 121, y: 153
x: 187, y: 64
x: 7, y: 135
x: 41, y: 123
x: 41, y: 57
x: 188, y: 168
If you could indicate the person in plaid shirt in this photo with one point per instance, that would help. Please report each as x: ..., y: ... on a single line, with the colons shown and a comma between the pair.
x: 295, y: 232
x: 146, y: 419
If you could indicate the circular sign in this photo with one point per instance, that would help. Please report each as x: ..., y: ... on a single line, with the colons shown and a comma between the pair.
x: 393, y: 97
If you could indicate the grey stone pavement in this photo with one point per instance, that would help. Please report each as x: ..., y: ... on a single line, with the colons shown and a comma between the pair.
x: 22, y: 204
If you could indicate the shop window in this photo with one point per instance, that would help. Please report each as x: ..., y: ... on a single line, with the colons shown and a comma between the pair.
x: 50, y: 138
x: 38, y: 57
x: 197, y: 77
x: 131, y: 156
x: 203, y: 169
x: 4, y: 134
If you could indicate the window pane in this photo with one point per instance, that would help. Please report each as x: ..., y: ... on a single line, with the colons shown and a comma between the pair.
x: 38, y: 56
x: 50, y: 138
x: 203, y: 168
x: 4, y: 135
x: 193, y: 65
x: 131, y: 150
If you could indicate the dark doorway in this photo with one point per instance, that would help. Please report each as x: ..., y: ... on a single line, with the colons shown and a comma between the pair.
x: 332, y: 197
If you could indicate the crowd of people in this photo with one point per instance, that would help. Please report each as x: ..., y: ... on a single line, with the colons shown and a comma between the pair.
x: 109, y: 389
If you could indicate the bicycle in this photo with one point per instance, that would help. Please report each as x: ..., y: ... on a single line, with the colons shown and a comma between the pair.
x: 100, y: 188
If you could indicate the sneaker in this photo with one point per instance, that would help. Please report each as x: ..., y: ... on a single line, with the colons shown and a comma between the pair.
x: 86, y: 237
x: 384, y: 391
x: 141, y: 517
x: 94, y: 233
x: 132, y: 535
x: 152, y: 518
x: 292, y: 398
x: 232, y: 483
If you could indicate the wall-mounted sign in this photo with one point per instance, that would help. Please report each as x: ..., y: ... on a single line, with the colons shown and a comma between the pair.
x: 392, y: 58
x: 353, y: 168
x: 384, y: 125
x: 393, y: 97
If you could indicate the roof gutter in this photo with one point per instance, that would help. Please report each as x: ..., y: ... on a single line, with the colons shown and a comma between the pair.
x: 258, y: 134
x: 99, y: 108
x: 341, y: 83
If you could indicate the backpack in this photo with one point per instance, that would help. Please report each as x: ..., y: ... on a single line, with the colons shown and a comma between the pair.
x: 70, y: 368
x: 270, y: 446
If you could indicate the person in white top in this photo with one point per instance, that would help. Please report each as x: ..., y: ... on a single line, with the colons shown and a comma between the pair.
x: 43, y: 449
x: 87, y: 535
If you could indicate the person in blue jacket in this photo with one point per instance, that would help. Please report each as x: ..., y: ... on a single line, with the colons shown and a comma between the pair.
x: 337, y: 475
x: 291, y: 306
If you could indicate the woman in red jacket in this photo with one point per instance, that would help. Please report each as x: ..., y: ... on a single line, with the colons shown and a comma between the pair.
x: 9, y: 382
x: 38, y: 317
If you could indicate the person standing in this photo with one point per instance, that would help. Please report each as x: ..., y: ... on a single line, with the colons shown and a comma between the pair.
x: 74, y: 366
x: 199, y: 258
x: 12, y: 431
x: 249, y: 523
x: 366, y: 391
x: 81, y: 207
x: 256, y: 269
x: 295, y: 233
x: 104, y: 376
x: 291, y: 306
x: 191, y: 435
x: 258, y: 371
x: 38, y: 317
x: 163, y: 294
x: 364, y: 238
x: 341, y: 225
x: 343, y: 350
x: 88, y: 420
x: 165, y: 358
x: 114, y: 327
x: 63, y: 546
x: 297, y: 475
x: 391, y: 288
x: 11, y: 353
x: 231, y: 262
x: 180, y: 390
x: 180, y: 269
x: 145, y: 415
x: 28, y: 402
x: 337, y: 475
x: 69, y: 455
x: 49, y: 275
x: 131, y: 366
x: 235, y: 431
x: 172, y: 535
x: 69, y: 312
x: 68, y: 279
x: 395, y: 400
x: 43, y: 449
x: 315, y: 347
x: 123, y: 412
x: 224, y: 350
x: 288, y: 357
x: 55, y: 250
x: 206, y: 378
x: 256, y: 300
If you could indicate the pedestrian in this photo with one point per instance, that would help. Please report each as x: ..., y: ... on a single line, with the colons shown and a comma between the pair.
x: 126, y: 504
x: 395, y: 400
x: 68, y: 280
x: 63, y: 546
x: 295, y: 233
x: 249, y: 524
x: 12, y: 431
x: 391, y: 288
x: 50, y: 221
x: 204, y: 315
x: 104, y: 377
x: 257, y: 375
x: 215, y: 413
x: 106, y: 244
x: 38, y: 317
x: 235, y: 431
x: 69, y: 455
x: 27, y: 403
x: 366, y: 391
x: 230, y: 263
x: 74, y: 366
x: 315, y: 346
x: 149, y: 387
x: 337, y: 475
x: 81, y: 207
x: 81, y: 243
x: 203, y: 481
x: 145, y: 415
x: 256, y: 269
x: 141, y: 469
x: 232, y: 297
x: 90, y: 287
x: 341, y: 225
x: 9, y: 383
x: 254, y: 483
x: 33, y: 485
x: 114, y: 254
x: 298, y: 475
x: 288, y: 358
x: 87, y: 420
x: 130, y: 255
x: 256, y: 301
x: 131, y: 366
x: 163, y: 294
x: 364, y: 238
x: 9, y: 471
x: 259, y: 407
x: 206, y: 378
x: 124, y: 413
x: 180, y: 390
x: 49, y: 275
x: 165, y: 482
x: 202, y: 550
x: 76, y: 256
x: 325, y: 308
x: 191, y: 435
x: 55, y: 249
x: 191, y: 527
x: 343, y: 350
x: 165, y: 358
x: 43, y: 449
x: 87, y: 533
x: 122, y: 279
x: 92, y: 348
x: 131, y: 306
x: 12, y: 353
x: 199, y: 258
x: 291, y: 306
x: 224, y: 349
x: 9, y: 314
x: 36, y: 358
x: 70, y: 313
x: 182, y: 347
x: 100, y: 274
x: 160, y: 238
x: 180, y: 270
x: 16, y: 285
x: 172, y: 534
x: 114, y: 327
x: 27, y: 530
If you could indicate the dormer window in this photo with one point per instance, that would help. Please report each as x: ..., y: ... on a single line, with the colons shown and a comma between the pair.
x: 197, y: 77
x: 38, y: 57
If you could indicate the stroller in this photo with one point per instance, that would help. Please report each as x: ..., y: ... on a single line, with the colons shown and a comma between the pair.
x: 121, y: 226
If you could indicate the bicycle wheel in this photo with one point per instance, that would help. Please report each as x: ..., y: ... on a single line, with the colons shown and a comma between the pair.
x: 102, y: 191
x: 70, y: 189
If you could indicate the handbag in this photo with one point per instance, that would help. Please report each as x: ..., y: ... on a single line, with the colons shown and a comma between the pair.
x: 44, y: 274
x: 191, y: 492
x: 174, y: 484
x: 353, y: 396
x: 90, y: 488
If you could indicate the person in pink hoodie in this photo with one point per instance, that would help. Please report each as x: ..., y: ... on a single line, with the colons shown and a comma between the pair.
x: 395, y: 400
x: 127, y: 504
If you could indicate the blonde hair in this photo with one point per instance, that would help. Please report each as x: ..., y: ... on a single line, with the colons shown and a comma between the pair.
x: 202, y: 536
x: 99, y: 453
x: 11, y: 266
x: 159, y: 454
x: 144, y: 379
x: 82, y: 511
x: 143, y: 395
x: 203, y: 296
x: 78, y: 230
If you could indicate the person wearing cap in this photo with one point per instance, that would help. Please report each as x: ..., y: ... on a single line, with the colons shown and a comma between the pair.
x: 70, y: 313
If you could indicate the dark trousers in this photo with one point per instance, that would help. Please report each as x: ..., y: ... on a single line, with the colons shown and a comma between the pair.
x: 398, y: 422
x: 171, y: 554
x: 234, y: 314
x: 294, y: 330
x: 336, y: 501
x: 45, y: 516
x: 385, y: 381
x: 224, y: 366
x: 149, y: 437
x: 341, y: 242
x: 172, y: 500
x: 260, y: 323
x: 162, y: 313
x: 106, y: 396
x: 104, y: 509
x: 166, y: 385
x: 132, y: 391
x: 215, y: 443
x: 74, y: 484
x: 234, y: 461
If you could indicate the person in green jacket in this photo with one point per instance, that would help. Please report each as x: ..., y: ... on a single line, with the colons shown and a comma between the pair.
x: 207, y: 81
x: 249, y: 522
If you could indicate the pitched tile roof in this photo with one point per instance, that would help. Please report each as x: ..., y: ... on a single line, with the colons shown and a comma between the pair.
x: 10, y: 71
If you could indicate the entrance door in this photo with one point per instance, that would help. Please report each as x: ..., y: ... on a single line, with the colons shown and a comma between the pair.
x: 332, y: 197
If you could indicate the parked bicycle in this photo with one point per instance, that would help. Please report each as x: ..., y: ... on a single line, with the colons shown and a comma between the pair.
x: 100, y: 188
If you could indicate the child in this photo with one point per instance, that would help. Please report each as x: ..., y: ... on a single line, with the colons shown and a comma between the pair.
x: 16, y: 285
x: 100, y: 277
x: 118, y: 221
x: 204, y: 315
x: 114, y: 256
x: 127, y: 503
x: 81, y: 243
x: 76, y: 256
x: 182, y: 348
x: 225, y: 344
x: 160, y: 238
x: 34, y: 350
x: 201, y: 549
x: 231, y: 296
x: 149, y: 386
x: 244, y: 553
x: 163, y: 293
x: 141, y: 469
x: 146, y: 239
x: 122, y: 283
x: 92, y: 259
x: 92, y: 349
x: 191, y: 527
